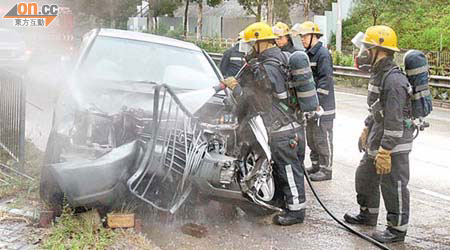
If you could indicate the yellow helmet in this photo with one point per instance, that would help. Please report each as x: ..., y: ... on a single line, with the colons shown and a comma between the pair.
x: 381, y: 36
x: 257, y: 32
x: 280, y: 29
x: 306, y: 28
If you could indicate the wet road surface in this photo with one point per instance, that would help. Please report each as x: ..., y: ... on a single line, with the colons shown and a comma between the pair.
x: 429, y: 226
x: 429, y: 186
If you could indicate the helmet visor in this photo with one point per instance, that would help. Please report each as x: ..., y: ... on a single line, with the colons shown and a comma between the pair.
x: 358, y: 40
x: 245, y: 47
x: 295, y: 30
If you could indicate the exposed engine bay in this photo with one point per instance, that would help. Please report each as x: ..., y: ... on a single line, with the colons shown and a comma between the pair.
x: 162, y: 153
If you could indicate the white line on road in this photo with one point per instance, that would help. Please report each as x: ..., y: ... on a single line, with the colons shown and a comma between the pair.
x: 437, y: 195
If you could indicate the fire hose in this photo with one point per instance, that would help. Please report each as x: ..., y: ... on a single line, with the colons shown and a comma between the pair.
x: 362, y: 236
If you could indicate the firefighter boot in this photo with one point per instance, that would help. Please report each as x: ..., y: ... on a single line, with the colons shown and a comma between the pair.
x: 313, y: 169
x: 322, y: 175
x: 363, y: 218
x: 289, y: 218
x: 389, y: 235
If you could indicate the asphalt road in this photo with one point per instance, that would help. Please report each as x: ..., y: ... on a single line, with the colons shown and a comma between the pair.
x: 429, y: 186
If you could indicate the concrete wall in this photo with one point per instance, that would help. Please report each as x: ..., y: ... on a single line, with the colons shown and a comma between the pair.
x: 328, y: 22
x: 231, y: 26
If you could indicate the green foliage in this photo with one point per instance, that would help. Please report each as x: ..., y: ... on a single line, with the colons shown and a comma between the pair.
x: 72, y: 232
x: 164, y: 30
x: 212, y: 46
x: 24, y: 189
x: 164, y: 7
x: 342, y: 59
x: 320, y: 6
x: 282, y: 12
x: 418, y: 24
x: 440, y: 93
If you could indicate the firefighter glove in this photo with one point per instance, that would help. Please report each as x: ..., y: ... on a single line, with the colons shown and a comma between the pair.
x: 314, y: 115
x: 383, y: 161
x: 230, y: 82
x: 362, y: 142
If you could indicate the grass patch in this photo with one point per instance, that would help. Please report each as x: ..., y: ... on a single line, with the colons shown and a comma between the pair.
x: 74, y: 232
x: 85, y: 231
x: 24, y: 190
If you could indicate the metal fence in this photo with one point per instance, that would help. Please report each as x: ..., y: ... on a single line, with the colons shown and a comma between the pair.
x: 12, y: 114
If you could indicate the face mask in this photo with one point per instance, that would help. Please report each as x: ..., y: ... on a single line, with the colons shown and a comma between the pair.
x: 364, y: 60
x: 245, y: 47
x: 250, y: 55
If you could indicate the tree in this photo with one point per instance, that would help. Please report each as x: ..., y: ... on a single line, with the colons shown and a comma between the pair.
x: 161, y: 8
x: 376, y: 8
x: 253, y: 7
x: 112, y: 12
x: 276, y: 9
x: 186, y: 10
x: 212, y: 3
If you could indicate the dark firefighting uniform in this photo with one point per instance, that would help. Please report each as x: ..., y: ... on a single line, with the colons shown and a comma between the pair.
x: 290, y: 47
x: 389, y: 127
x: 320, y: 134
x: 232, y: 61
x: 281, y: 124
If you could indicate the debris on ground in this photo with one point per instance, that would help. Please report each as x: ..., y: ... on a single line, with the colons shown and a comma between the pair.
x: 194, y: 230
x: 91, y: 219
x: 129, y: 239
x: 115, y: 220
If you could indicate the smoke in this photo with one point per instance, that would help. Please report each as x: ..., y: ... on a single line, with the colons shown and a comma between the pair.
x: 41, y: 55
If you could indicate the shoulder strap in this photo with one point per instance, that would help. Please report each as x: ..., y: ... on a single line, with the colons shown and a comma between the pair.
x: 283, y: 66
x: 383, y: 79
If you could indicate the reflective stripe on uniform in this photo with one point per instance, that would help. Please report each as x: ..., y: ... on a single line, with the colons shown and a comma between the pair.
x: 373, y: 88
x: 421, y: 94
x: 235, y: 59
x: 329, y: 112
x: 306, y: 93
x: 322, y: 91
x: 296, y: 207
x: 290, y: 126
x: 420, y: 70
x: 372, y: 152
x: 313, y: 64
x: 282, y: 95
x: 402, y: 228
x: 421, y: 87
x: 373, y: 210
x: 293, y: 188
x: 370, y: 209
x: 400, y: 203
x: 297, y: 83
x: 393, y: 133
x: 329, y: 150
x: 300, y: 71
x: 402, y: 147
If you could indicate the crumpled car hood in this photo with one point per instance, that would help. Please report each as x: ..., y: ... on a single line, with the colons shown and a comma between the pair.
x: 111, y: 98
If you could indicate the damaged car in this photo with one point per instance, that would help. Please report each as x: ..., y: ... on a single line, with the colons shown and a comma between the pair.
x: 140, y: 116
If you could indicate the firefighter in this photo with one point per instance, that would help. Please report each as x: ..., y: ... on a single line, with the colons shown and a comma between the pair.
x: 232, y: 60
x: 284, y: 40
x: 287, y: 139
x: 386, y: 137
x: 319, y: 131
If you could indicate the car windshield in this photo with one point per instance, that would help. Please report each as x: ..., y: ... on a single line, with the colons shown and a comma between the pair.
x: 124, y: 60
